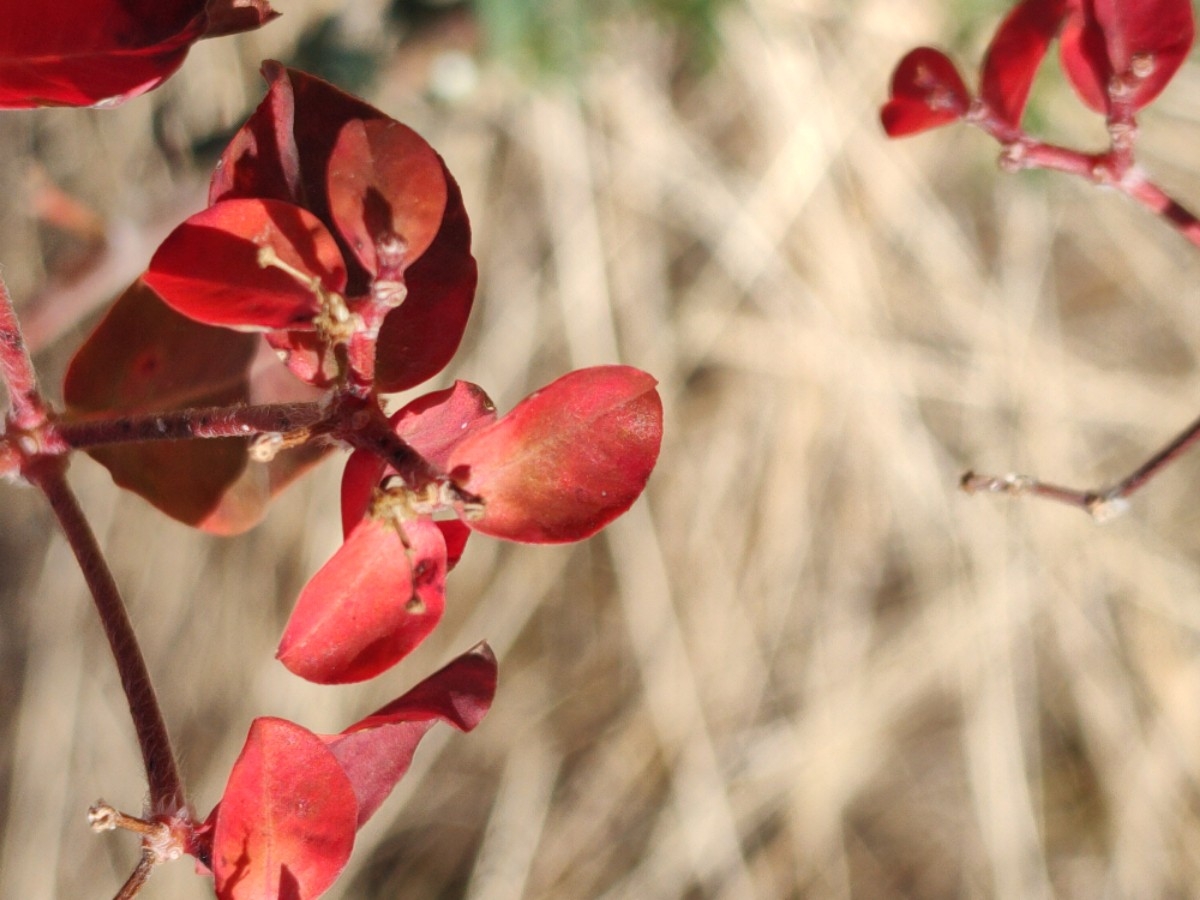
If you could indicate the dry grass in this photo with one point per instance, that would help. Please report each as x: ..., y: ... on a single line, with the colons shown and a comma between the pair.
x: 805, y: 665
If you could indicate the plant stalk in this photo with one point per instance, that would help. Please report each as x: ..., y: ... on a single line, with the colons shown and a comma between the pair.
x: 162, y: 771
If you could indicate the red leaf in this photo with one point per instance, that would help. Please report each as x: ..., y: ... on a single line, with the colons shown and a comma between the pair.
x: 208, y: 268
x: 285, y: 825
x: 144, y: 357
x: 926, y: 92
x: 369, y: 605
x: 567, y: 460
x: 377, y: 751
x: 1138, y: 44
x: 1014, y: 55
x: 65, y: 53
x: 386, y: 185
x: 420, y: 336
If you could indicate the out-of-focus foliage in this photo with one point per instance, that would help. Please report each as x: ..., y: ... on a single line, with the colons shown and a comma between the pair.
x: 559, y: 36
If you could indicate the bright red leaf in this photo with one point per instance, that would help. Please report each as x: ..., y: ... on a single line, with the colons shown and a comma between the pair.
x: 369, y: 605
x: 286, y: 822
x: 926, y: 92
x: 1138, y: 43
x: 68, y: 53
x: 1014, y: 55
x: 567, y: 460
x: 377, y: 751
x: 209, y: 268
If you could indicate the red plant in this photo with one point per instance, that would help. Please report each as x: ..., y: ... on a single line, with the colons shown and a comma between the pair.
x: 332, y: 265
x: 1118, y: 56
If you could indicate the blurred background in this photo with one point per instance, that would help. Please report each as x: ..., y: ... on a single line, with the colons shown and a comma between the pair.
x: 805, y: 665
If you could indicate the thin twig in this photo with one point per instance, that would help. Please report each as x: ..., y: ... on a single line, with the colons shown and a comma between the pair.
x: 162, y: 772
x: 1100, y: 503
x: 133, y: 886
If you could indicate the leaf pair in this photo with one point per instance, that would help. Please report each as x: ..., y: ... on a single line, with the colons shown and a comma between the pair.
x: 562, y: 464
x: 286, y: 821
x: 1112, y: 51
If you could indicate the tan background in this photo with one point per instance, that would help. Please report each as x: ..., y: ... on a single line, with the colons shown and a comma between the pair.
x: 805, y: 666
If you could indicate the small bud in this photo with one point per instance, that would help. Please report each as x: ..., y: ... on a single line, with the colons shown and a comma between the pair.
x: 1142, y: 65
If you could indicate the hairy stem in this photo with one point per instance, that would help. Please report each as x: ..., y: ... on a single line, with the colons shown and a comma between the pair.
x: 210, y: 422
x: 162, y: 772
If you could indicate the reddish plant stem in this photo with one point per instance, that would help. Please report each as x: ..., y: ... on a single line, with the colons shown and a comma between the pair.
x: 137, y: 879
x: 16, y: 368
x: 210, y: 422
x: 162, y: 772
x: 363, y: 426
x: 1100, y: 503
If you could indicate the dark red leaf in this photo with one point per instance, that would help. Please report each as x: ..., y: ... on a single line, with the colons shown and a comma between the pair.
x: 926, y: 92
x: 370, y: 605
x: 387, y: 192
x: 286, y: 822
x: 377, y: 751
x: 210, y: 270
x: 420, y: 336
x: 1014, y: 55
x: 567, y: 460
x: 65, y: 53
x: 144, y: 357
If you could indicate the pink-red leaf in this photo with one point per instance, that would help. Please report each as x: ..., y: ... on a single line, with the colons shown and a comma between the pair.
x: 567, y: 460
x: 209, y: 268
x: 286, y: 822
x: 420, y: 336
x: 68, y: 53
x: 369, y: 605
x: 1014, y: 55
x: 387, y: 194
x: 926, y: 92
x: 377, y: 751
